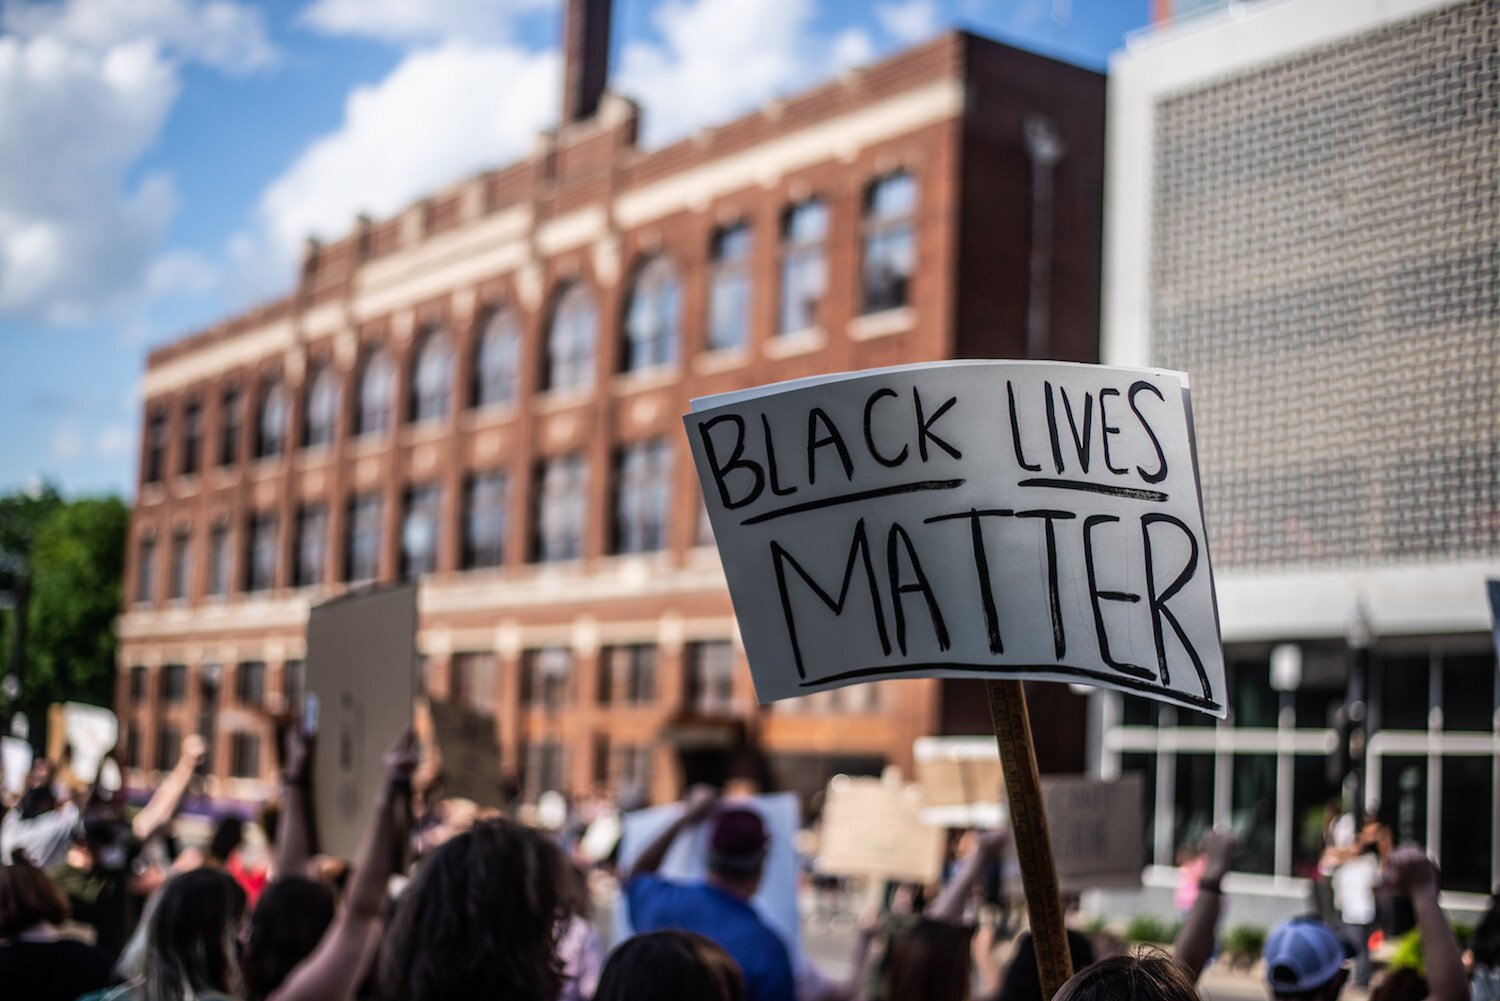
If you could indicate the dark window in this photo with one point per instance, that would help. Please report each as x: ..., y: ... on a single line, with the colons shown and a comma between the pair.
x: 485, y: 521
x: 651, y: 322
x: 643, y: 488
x: 156, y: 446
x: 627, y: 674
x: 312, y: 544
x: 1467, y: 806
x: 182, y: 566
x: 711, y: 676
x: 632, y: 768
x: 890, y: 243
x: 244, y: 756
x: 1253, y: 701
x: 140, y: 684
x: 547, y: 677
x: 729, y: 291
x: 561, y: 504
x: 497, y: 360
x: 377, y: 395
x: 1468, y: 694
x: 218, y: 560
x: 362, y: 546
x: 133, y: 747
x: 476, y: 680
x: 1403, y: 695
x: 173, y: 686
x: 570, y: 341
x: 321, y: 422
x: 250, y: 683
x: 260, y: 556
x: 419, y: 531
x: 145, y: 571
x: 804, y: 228
x: 271, y: 422
x: 543, y: 767
x: 432, y: 378
x: 231, y: 421
x: 293, y: 683
x: 192, y: 437
x: 168, y: 747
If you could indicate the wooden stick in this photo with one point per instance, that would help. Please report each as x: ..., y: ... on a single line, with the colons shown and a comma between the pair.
x: 1028, y: 822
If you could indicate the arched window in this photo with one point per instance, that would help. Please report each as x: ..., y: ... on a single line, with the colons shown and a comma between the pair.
x: 270, y: 426
x: 322, y: 408
x: 377, y: 394
x: 651, y: 322
x: 804, y: 273
x: 497, y: 360
x: 570, y: 341
x: 432, y: 377
x: 890, y: 242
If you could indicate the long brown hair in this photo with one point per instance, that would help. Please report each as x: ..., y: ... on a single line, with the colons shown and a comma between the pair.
x: 930, y: 961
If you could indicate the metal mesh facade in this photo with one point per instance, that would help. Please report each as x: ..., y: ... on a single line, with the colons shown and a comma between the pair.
x: 1324, y: 264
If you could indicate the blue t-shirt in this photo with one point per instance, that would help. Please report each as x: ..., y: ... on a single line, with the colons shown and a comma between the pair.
x: 657, y: 903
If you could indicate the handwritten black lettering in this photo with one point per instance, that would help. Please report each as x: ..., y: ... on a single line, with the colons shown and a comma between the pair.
x: 816, y: 416
x: 859, y: 551
x: 736, y: 460
x: 1054, y: 599
x: 1161, y: 458
x: 1108, y: 429
x: 1015, y: 431
x: 1096, y: 595
x: 924, y: 426
x: 875, y: 453
x: 776, y: 487
x: 918, y: 586
x: 1080, y: 445
x: 1158, y: 602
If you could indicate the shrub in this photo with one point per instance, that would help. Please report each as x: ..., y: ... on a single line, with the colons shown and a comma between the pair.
x: 1244, y: 943
x: 1150, y: 930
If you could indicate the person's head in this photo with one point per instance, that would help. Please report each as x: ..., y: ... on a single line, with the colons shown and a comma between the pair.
x: 1485, y: 942
x: 737, y: 843
x: 1400, y: 983
x: 667, y: 965
x: 1304, y: 960
x: 28, y: 897
x: 1152, y: 975
x: 39, y: 796
x: 192, y: 940
x: 1023, y: 979
x: 288, y: 922
x: 931, y: 959
x: 228, y: 833
x: 479, y: 919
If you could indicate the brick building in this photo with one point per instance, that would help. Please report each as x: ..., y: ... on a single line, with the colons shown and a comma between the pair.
x: 485, y: 393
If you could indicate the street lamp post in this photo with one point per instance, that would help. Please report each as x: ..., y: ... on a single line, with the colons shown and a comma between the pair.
x: 1359, y: 635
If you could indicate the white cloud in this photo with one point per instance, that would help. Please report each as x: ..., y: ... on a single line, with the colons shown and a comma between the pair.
x: 852, y: 47
x: 179, y: 273
x: 443, y: 113
x: 67, y: 442
x: 910, y: 22
x: 114, y: 441
x: 408, y: 21
x: 86, y: 86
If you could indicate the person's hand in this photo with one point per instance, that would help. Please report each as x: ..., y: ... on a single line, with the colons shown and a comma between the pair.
x: 701, y: 800
x: 298, y: 751
x: 1408, y: 870
x: 1220, y: 846
x: 194, y: 750
x: 400, y: 761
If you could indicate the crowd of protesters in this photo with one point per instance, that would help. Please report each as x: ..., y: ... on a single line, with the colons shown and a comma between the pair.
x: 468, y: 903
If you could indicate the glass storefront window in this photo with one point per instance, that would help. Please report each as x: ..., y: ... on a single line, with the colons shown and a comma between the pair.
x: 1403, y: 797
x: 1194, y: 807
x: 1145, y: 765
x: 1467, y: 842
x: 1253, y: 815
x: 1403, y: 692
x: 1312, y: 791
x: 1252, y: 700
x: 1469, y: 692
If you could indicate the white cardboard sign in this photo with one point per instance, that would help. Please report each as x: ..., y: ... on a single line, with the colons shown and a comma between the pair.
x: 997, y: 519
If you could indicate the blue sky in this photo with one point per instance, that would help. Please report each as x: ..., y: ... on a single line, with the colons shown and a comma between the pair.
x: 161, y: 161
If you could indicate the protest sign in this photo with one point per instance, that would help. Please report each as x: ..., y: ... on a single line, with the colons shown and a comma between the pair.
x: 89, y: 731
x: 465, y: 741
x: 960, y: 519
x: 775, y: 900
x: 872, y: 827
x: 1096, y: 830
x: 961, y: 781
x: 362, y: 666
x: 15, y: 756
x: 1493, y: 588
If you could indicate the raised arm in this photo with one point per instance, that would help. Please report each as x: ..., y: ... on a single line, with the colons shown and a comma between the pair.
x: 1408, y: 870
x: 700, y: 803
x: 334, y: 969
x: 1195, y: 941
x: 949, y: 904
x: 162, y: 807
x: 294, y: 841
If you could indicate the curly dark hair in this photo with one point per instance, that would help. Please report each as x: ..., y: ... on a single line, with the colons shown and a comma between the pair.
x: 1150, y: 975
x: 286, y: 926
x: 668, y: 965
x: 479, y: 920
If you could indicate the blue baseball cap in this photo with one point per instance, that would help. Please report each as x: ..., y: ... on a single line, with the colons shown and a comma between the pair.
x: 1303, y: 954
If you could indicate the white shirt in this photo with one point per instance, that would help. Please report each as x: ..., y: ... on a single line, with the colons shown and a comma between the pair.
x: 1354, y: 886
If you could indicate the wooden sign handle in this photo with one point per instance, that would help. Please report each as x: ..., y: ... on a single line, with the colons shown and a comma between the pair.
x: 1028, y: 822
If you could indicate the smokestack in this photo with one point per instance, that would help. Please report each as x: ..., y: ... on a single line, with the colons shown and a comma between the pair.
x: 585, y: 58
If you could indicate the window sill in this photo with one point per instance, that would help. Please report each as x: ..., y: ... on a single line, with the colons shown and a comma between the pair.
x: 153, y: 493
x: 798, y: 342
x: 644, y: 379
x: 553, y: 400
x: 428, y: 430
x: 720, y: 360
x: 885, y: 323
x: 491, y: 413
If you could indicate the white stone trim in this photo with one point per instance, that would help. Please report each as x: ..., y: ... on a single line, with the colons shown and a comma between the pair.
x: 209, y: 361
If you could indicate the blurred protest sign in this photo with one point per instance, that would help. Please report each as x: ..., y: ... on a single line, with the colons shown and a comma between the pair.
x: 465, y: 741
x: 871, y: 827
x: 1096, y: 830
x: 90, y: 731
x: 775, y: 900
x: 362, y: 666
x: 15, y: 756
x: 961, y: 781
x: 962, y: 519
x: 1493, y: 587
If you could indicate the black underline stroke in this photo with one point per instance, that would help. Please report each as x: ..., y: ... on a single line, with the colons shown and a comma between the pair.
x: 1134, y: 493
x: 1011, y: 670
x: 859, y: 495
